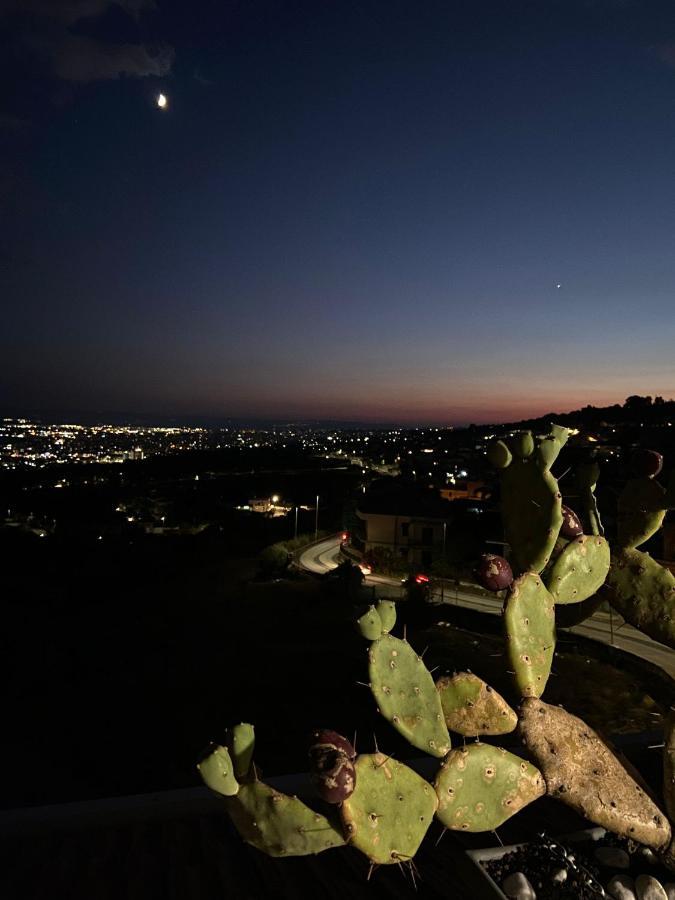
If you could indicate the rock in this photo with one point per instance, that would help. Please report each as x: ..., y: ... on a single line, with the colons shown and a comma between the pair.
x: 559, y: 876
x: 621, y: 887
x: 612, y: 857
x: 582, y: 771
x: 648, y: 856
x: 648, y: 888
x: 518, y: 887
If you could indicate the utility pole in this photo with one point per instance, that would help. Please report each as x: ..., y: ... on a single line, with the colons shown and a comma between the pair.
x: 316, y: 519
x: 296, y: 523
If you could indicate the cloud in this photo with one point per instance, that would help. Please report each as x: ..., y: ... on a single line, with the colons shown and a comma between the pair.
x: 44, y: 28
x: 82, y: 59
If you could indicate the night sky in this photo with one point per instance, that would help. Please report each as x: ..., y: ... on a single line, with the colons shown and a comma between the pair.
x: 398, y: 211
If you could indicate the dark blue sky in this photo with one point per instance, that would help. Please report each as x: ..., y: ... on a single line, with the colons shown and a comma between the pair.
x: 356, y: 210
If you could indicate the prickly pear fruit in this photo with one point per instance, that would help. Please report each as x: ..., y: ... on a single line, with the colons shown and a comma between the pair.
x: 326, y: 739
x: 529, y: 619
x: 331, y: 765
x: 390, y: 810
x: 217, y: 771
x: 280, y: 825
x: 241, y: 743
x: 472, y: 707
x: 406, y: 694
x: 531, y: 501
x: 571, y: 526
x: 581, y: 770
x: 370, y: 624
x: 493, y: 572
x: 387, y: 611
x: 643, y: 592
x: 646, y: 463
x: 480, y: 786
x: 580, y: 570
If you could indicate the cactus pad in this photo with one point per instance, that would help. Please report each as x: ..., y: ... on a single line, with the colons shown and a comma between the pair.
x: 586, y: 476
x: 241, y: 743
x: 370, y: 624
x: 641, y: 510
x: 529, y: 619
x: 480, y: 786
x: 386, y: 610
x: 581, y: 770
x: 406, y: 694
x: 280, y: 825
x: 580, y: 570
x: 472, y: 707
x: 643, y: 592
x: 217, y: 771
x: 531, y: 501
x: 390, y: 810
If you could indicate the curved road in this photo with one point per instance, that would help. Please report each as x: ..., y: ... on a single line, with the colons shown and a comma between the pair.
x: 609, y: 627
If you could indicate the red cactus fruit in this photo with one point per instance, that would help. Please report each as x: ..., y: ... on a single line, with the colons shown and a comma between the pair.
x: 571, y: 526
x: 493, y: 572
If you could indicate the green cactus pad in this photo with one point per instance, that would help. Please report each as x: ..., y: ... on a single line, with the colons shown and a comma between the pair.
x: 480, y: 786
x: 499, y: 454
x: 580, y: 570
x: 643, y: 592
x: 280, y: 825
x: 531, y: 501
x: 217, y: 771
x: 241, y: 743
x: 387, y: 612
x: 580, y: 770
x: 586, y: 476
x: 370, y: 624
x: 406, y: 695
x: 529, y: 619
x: 390, y: 810
x: 641, y: 510
x: 472, y: 707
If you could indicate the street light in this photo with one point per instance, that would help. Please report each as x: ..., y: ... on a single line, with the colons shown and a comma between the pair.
x: 316, y: 519
x: 296, y: 523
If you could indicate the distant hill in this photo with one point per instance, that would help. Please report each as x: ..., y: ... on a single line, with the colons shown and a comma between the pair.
x: 635, y: 411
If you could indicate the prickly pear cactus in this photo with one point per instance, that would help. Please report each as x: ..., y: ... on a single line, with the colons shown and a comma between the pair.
x: 280, y: 825
x: 531, y: 501
x: 471, y: 707
x: 480, y: 786
x: 642, y: 507
x: 241, y: 743
x: 390, y: 810
x: 369, y: 624
x: 217, y: 771
x: 643, y: 592
x: 579, y: 570
x: 529, y: 620
x: 582, y: 772
x: 586, y: 477
x: 386, y: 610
x: 406, y: 694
